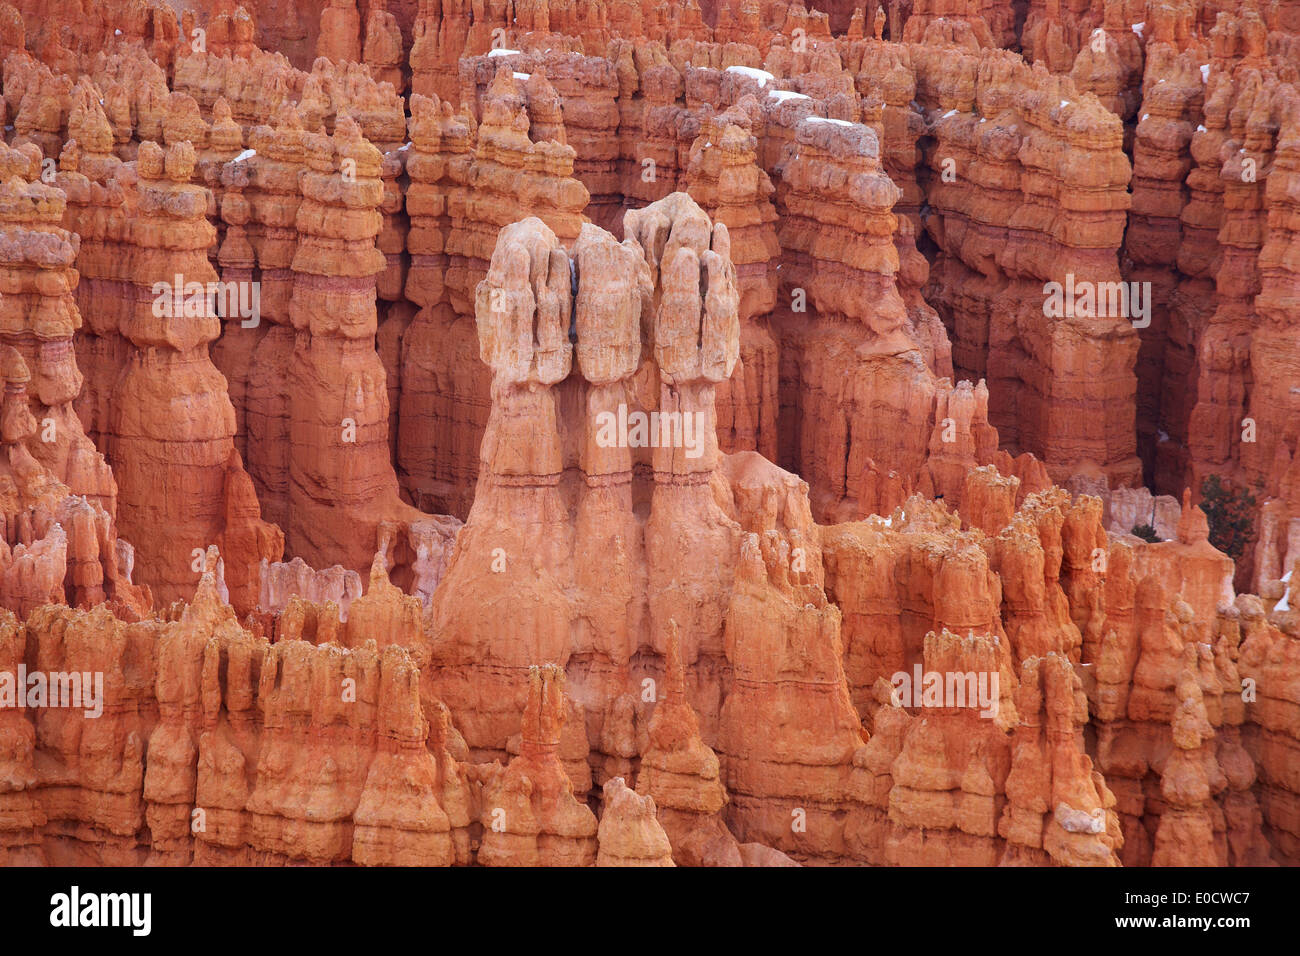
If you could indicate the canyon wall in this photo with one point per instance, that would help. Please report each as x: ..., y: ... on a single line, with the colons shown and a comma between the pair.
x: 616, y: 433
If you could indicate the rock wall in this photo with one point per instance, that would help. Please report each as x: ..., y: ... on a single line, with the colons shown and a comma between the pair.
x: 695, y: 434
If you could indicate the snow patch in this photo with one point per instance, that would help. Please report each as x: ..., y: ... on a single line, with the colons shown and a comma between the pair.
x: 1139, y: 27
x: 1200, y: 129
x: 949, y: 113
x: 246, y: 154
x: 1205, y: 72
x: 782, y: 95
x: 824, y: 119
x: 1285, y: 603
x: 492, y: 53
x: 762, y: 76
x: 522, y: 76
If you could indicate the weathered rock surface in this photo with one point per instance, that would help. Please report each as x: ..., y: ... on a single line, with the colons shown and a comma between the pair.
x: 671, y: 434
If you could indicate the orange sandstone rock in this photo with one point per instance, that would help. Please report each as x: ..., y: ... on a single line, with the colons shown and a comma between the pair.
x: 170, y: 328
x: 629, y: 834
x: 529, y: 814
x: 681, y: 775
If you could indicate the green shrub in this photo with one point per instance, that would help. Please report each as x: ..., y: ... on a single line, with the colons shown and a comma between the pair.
x: 1231, y: 516
x: 1145, y: 532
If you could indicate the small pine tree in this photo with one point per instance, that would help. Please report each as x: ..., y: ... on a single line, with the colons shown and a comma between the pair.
x: 1145, y: 532
x: 1230, y: 515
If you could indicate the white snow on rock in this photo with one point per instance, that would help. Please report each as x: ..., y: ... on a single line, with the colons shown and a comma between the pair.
x: 522, y: 76
x: 782, y: 95
x: 1285, y: 603
x: 762, y: 76
x: 824, y: 119
x: 1205, y: 72
x: 246, y: 154
x: 492, y: 53
x: 1139, y: 27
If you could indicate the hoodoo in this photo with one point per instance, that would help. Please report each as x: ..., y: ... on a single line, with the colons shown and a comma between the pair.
x: 623, y: 433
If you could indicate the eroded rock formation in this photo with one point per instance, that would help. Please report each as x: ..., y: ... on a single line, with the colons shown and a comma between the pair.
x: 670, y: 434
